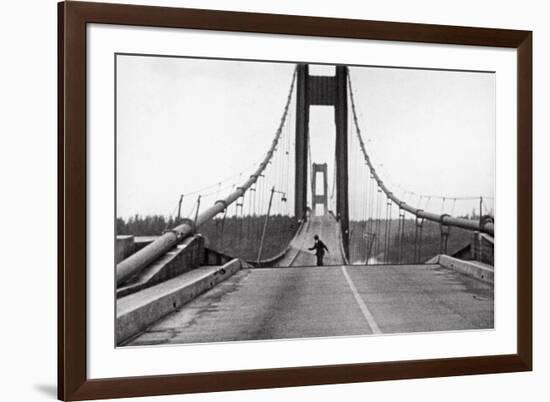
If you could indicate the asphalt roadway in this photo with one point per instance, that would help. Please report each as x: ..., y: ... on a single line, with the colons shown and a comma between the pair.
x: 296, y: 302
x: 328, y: 230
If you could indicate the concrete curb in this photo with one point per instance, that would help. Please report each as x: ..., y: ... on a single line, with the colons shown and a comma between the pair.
x: 473, y: 269
x: 139, y: 310
x: 182, y: 258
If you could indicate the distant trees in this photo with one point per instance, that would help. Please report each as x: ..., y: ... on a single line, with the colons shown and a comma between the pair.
x: 235, y: 236
x: 475, y: 214
x: 431, y: 237
x: 150, y: 225
x: 240, y: 236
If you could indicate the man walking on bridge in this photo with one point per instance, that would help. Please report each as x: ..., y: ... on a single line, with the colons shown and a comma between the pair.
x: 319, y: 248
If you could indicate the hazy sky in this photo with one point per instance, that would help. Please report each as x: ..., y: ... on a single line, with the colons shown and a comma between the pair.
x: 184, y: 124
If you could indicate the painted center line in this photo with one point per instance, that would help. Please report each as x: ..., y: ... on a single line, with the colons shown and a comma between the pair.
x: 362, y: 306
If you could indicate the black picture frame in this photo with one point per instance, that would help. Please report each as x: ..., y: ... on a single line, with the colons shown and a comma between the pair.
x: 73, y: 17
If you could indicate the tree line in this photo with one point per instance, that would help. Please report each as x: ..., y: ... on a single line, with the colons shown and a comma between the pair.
x: 241, y: 236
x: 235, y: 236
x: 367, y: 241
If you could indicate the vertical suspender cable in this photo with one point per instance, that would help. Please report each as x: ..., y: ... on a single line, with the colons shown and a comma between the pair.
x: 402, y: 237
x: 388, y: 233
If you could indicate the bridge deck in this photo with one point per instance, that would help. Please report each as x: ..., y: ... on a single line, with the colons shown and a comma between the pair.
x: 328, y: 230
x: 328, y: 301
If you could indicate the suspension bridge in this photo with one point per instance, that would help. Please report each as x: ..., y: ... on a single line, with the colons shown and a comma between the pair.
x: 239, y: 265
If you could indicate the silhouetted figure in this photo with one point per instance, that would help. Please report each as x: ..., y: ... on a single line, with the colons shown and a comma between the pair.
x: 319, y: 248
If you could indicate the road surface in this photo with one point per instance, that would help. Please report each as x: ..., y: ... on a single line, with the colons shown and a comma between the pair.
x: 328, y: 230
x: 275, y: 303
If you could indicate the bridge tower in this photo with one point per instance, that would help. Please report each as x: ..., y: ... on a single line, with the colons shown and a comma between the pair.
x: 315, y: 197
x: 331, y: 91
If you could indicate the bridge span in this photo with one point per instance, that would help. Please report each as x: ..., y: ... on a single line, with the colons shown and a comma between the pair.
x: 329, y: 231
x: 274, y: 303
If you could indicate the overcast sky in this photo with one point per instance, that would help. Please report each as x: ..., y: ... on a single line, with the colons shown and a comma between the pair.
x: 184, y: 124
